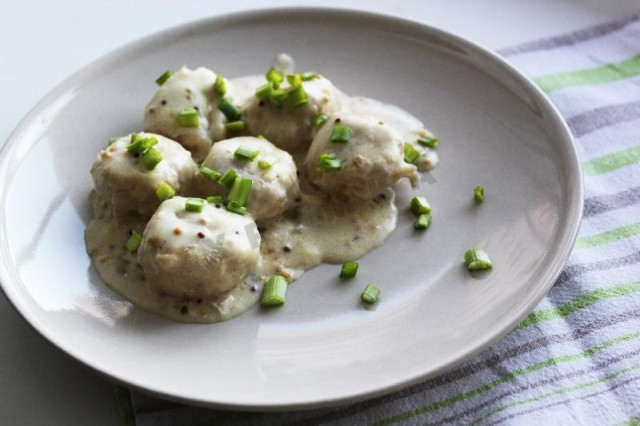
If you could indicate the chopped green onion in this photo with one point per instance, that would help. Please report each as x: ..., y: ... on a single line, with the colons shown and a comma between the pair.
x: 477, y: 259
x: 349, y: 269
x: 261, y: 137
x: 244, y: 153
x: 298, y: 97
x: 133, y: 243
x: 274, y: 290
x: 274, y: 77
x: 411, y: 155
x: 194, y: 205
x: 267, y: 162
x: 189, y: 117
x: 264, y: 92
x: 164, y: 191
x: 140, y: 144
x: 423, y: 221
x: 419, y: 205
x: 328, y: 163
x: 478, y: 194
x: 151, y: 158
x: 306, y: 76
x: 279, y: 94
x: 240, y: 191
x: 229, y: 110
x: 111, y: 141
x: 235, y: 126
x: 320, y: 120
x: 164, y: 77
x: 294, y: 80
x: 428, y: 141
x: 220, y: 87
x: 370, y: 294
x: 212, y: 175
x: 228, y: 178
x: 234, y: 207
x: 215, y: 199
x: 340, y: 134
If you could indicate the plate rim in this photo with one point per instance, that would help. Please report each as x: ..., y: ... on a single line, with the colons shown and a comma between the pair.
x: 565, y: 244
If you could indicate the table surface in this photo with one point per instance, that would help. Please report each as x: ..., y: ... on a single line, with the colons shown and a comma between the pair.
x: 44, y: 42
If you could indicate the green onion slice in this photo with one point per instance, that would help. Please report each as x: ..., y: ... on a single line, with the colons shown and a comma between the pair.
x: 477, y: 259
x: 423, y: 221
x: 133, y: 243
x: 294, y: 80
x: 274, y: 77
x: 234, y: 207
x: 328, y: 163
x: 419, y: 205
x: 274, y: 291
x: 266, y: 163
x: 478, y: 194
x: 140, y: 144
x: 240, y: 191
x: 298, y: 97
x: 220, y: 87
x: 235, y: 126
x: 215, y: 199
x: 164, y: 191
x: 411, y: 155
x: 370, y: 294
x: 349, y: 269
x: 340, y: 134
x: 428, y: 141
x: 264, y: 92
x: 151, y: 158
x: 194, y: 205
x: 229, y: 110
x: 111, y: 141
x: 189, y: 117
x: 212, y: 175
x: 310, y: 75
x: 228, y: 178
x: 164, y: 77
x: 246, y: 153
x: 320, y: 121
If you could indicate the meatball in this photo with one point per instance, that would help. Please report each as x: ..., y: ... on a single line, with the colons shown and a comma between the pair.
x: 273, y: 190
x: 371, y: 160
x: 188, y: 89
x: 291, y: 128
x: 204, y: 254
x: 128, y: 189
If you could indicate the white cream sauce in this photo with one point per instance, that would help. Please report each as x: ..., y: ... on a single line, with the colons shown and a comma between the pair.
x: 313, y: 231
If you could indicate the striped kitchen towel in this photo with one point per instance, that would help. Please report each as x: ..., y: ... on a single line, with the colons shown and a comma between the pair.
x: 576, y: 358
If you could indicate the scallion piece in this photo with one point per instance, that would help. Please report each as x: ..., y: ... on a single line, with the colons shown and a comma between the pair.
x: 477, y: 259
x: 320, y: 120
x: 340, y: 134
x: 423, y: 221
x: 212, y: 175
x: 478, y: 194
x: 164, y: 191
x: 370, y: 294
x: 140, y: 144
x: 328, y: 163
x: 220, y: 87
x: 133, y: 243
x: 298, y: 97
x: 261, y: 137
x: 419, y: 205
x: 229, y: 110
x: 111, y: 141
x: 215, y: 199
x: 428, y: 141
x: 240, y: 191
x: 267, y: 162
x: 164, y: 77
x: 235, y: 126
x: 274, y: 291
x: 194, y: 205
x: 245, y: 153
x: 228, y: 178
x: 264, y: 92
x: 274, y: 77
x: 189, y: 117
x: 310, y: 75
x: 411, y: 155
x: 294, y: 80
x: 151, y: 158
x: 234, y: 207
x: 349, y: 269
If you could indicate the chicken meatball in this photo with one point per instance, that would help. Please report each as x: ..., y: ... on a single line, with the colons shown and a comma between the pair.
x: 126, y: 188
x: 291, y: 128
x: 189, y: 89
x: 274, y: 186
x: 359, y: 159
x: 198, y: 254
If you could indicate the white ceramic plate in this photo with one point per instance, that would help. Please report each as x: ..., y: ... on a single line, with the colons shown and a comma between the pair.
x: 322, y: 347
